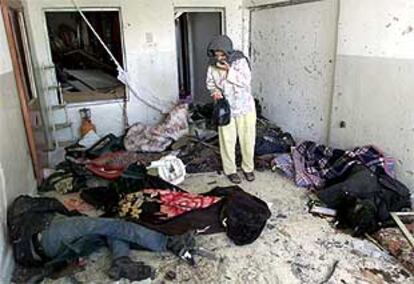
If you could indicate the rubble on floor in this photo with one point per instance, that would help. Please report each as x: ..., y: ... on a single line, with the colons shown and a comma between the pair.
x: 295, y: 247
x: 393, y: 240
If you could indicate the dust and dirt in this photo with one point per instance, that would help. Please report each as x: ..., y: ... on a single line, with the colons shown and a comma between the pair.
x: 295, y: 247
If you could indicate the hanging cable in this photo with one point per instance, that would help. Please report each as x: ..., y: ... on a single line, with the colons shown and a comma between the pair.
x: 122, y: 74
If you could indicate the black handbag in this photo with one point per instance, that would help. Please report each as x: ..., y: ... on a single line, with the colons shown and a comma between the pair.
x: 221, y: 112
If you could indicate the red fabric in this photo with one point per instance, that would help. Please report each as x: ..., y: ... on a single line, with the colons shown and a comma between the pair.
x: 176, y: 203
x: 104, y: 173
x: 112, y: 165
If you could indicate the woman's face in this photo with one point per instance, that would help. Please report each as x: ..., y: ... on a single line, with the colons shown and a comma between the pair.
x: 220, y: 56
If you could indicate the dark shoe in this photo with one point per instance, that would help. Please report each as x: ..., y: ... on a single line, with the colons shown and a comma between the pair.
x: 124, y: 267
x: 28, y: 274
x: 249, y: 176
x: 182, y: 246
x: 234, y: 178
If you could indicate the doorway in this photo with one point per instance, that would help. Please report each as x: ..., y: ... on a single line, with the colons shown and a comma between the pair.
x: 194, y: 30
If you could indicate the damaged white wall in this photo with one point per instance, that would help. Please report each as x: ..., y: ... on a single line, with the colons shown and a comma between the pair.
x: 16, y: 171
x: 146, y: 60
x: 372, y: 83
x: 374, y: 79
x: 150, y: 51
x: 292, y: 53
x: 374, y: 65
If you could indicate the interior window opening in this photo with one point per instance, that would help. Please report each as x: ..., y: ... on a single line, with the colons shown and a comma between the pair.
x: 85, y: 72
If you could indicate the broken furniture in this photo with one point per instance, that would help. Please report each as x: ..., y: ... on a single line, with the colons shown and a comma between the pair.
x: 409, y: 235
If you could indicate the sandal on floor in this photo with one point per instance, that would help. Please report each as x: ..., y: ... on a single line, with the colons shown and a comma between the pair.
x: 234, y: 178
x: 249, y: 176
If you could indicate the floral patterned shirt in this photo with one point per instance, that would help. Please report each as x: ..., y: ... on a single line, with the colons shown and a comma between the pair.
x: 235, y: 85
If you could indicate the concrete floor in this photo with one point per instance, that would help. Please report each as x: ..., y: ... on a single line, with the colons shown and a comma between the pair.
x: 295, y: 247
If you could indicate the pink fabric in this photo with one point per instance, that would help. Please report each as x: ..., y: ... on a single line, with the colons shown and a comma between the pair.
x: 176, y: 203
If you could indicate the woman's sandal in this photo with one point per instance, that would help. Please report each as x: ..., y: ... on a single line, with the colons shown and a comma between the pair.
x: 249, y: 176
x: 234, y: 178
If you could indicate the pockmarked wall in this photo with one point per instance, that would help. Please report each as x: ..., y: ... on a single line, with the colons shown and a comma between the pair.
x: 293, y: 51
x: 373, y: 96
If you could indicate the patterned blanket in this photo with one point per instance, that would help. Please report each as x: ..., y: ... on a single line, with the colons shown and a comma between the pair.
x: 162, y: 204
x: 312, y: 165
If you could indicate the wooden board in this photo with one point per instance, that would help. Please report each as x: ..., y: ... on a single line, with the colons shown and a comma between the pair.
x: 403, y: 228
x: 79, y: 85
x: 93, y: 96
x: 95, y: 79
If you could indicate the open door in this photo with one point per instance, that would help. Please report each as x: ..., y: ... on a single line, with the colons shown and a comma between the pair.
x: 18, y: 44
x: 194, y: 30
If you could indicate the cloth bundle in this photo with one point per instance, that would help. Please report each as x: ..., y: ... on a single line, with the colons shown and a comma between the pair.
x: 144, y: 138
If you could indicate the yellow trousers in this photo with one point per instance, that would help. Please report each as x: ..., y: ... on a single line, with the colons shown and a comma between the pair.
x: 243, y: 127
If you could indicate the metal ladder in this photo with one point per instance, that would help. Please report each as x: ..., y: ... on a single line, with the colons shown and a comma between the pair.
x: 53, y: 107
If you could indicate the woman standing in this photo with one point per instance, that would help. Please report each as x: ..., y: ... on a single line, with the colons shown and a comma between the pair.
x: 229, y: 75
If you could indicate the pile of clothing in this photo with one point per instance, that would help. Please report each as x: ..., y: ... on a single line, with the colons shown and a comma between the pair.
x: 118, y: 184
x: 157, y: 138
x: 312, y: 165
x: 271, y: 140
x: 365, y: 200
x: 186, y: 132
x: 173, y: 211
x: 360, y: 183
x: 202, y: 153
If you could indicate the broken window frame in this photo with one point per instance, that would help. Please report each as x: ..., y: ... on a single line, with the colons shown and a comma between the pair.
x: 126, y: 97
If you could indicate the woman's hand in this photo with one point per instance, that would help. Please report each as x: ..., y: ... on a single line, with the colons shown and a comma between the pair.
x: 217, y: 95
x: 223, y: 65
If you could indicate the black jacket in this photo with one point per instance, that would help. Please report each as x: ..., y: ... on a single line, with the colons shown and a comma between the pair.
x: 364, y: 200
x: 26, y: 217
